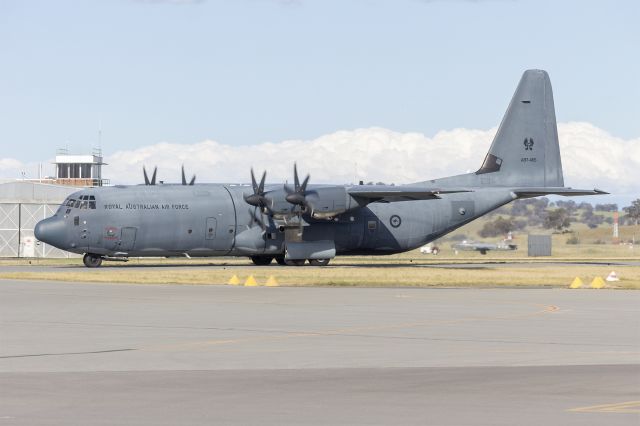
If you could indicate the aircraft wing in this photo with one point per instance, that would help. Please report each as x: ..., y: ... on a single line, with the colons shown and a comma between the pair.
x: 567, y: 192
x: 387, y: 193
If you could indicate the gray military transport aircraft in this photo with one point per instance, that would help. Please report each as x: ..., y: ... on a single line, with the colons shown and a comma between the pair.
x: 315, y: 222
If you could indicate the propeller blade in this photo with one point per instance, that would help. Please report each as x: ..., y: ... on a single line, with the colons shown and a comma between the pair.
x: 300, y: 223
x: 253, y: 182
x: 303, y: 187
x: 256, y: 219
x: 296, y: 181
x: 146, y: 177
x: 184, y: 178
x: 261, y: 186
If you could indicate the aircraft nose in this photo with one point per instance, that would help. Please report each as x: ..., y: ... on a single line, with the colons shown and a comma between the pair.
x: 50, y: 231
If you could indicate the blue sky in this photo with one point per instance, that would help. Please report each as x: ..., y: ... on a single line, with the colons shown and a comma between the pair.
x: 245, y: 72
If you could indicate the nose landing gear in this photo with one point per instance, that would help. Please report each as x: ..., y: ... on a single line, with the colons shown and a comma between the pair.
x: 92, y: 260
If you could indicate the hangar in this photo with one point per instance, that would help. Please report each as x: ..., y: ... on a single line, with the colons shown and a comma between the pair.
x: 22, y: 204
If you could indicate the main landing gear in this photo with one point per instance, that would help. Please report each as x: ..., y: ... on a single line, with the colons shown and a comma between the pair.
x: 266, y: 260
x: 261, y: 260
x: 92, y: 260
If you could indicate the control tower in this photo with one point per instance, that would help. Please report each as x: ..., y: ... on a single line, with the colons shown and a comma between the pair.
x: 79, y: 170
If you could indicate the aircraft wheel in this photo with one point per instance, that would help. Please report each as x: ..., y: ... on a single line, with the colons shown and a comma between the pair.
x: 319, y: 262
x: 280, y: 260
x: 294, y: 262
x: 261, y: 260
x: 92, y: 260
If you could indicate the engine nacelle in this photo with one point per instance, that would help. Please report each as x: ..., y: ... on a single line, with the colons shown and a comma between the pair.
x: 324, y: 202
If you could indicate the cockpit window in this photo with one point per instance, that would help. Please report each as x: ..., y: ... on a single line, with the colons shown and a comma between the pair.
x: 83, y: 202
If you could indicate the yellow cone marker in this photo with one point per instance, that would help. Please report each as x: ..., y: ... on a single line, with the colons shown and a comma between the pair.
x: 250, y: 282
x: 234, y: 280
x: 576, y: 283
x: 597, y: 282
x: 272, y: 282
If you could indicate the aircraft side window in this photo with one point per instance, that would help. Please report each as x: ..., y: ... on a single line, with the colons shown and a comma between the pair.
x: 70, y: 202
x: 92, y: 205
x: 372, y: 224
x: 83, y: 204
x: 76, y: 204
x: 76, y: 220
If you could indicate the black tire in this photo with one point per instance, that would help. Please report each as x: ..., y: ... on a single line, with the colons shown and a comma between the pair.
x: 319, y: 262
x: 261, y: 260
x: 294, y: 262
x: 92, y: 260
x: 280, y: 260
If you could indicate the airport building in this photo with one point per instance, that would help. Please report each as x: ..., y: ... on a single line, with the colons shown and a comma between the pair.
x: 25, y: 202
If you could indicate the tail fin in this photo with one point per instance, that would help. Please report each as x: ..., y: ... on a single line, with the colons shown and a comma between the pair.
x: 525, y: 151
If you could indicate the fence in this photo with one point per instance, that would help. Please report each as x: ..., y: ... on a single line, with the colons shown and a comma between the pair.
x: 17, y: 221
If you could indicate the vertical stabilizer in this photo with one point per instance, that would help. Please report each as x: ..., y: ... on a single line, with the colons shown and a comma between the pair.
x: 525, y: 150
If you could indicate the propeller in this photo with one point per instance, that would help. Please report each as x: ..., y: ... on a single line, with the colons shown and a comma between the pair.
x: 298, y: 195
x: 258, y: 198
x: 184, y: 178
x: 146, y: 177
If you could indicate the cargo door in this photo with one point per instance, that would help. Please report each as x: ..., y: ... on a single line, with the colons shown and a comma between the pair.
x: 220, y: 220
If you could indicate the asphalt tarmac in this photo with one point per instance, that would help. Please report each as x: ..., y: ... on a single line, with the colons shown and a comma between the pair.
x: 78, y: 353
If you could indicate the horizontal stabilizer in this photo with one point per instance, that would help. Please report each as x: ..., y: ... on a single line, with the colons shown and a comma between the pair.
x: 567, y: 192
x: 387, y: 193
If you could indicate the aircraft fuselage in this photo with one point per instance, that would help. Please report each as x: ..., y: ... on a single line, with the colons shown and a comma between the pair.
x: 214, y: 220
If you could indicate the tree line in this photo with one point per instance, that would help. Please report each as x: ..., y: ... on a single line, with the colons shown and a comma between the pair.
x: 557, y: 216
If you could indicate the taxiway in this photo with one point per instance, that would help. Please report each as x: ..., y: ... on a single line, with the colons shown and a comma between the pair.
x: 182, y: 354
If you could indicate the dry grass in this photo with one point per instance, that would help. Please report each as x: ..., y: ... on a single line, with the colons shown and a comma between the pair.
x: 367, y: 276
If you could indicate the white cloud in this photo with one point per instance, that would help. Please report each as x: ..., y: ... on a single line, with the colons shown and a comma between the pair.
x: 9, y: 164
x: 591, y: 157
